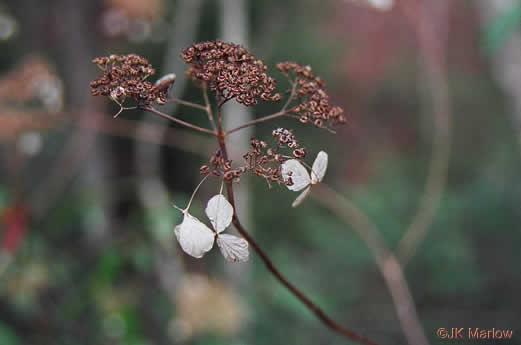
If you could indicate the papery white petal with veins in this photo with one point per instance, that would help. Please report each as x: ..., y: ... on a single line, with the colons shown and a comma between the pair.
x: 301, y: 197
x: 233, y: 248
x: 220, y: 212
x: 194, y: 237
x: 293, y: 169
x: 318, y: 170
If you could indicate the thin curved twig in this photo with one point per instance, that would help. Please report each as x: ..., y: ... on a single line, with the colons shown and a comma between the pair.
x: 432, y: 50
x: 178, y: 121
x: 257, y: 121
x: 386, y: 261
x: 188, y: 104
x: 291, y: 95
x: 44, y: 196
x: 208, y: 107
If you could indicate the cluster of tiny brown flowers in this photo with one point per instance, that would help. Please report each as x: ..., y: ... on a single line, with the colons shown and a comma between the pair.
x: 314, y: 104
x: 265, y: 161
x: 286, y: 138
x: 231, y: 71
x: 125, y: 76
x: 221, y: 167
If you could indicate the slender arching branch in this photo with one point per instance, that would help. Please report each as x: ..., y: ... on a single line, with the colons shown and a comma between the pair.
x: 385, y: 259
x: 188, y: 104
x: 257, y: 121
x: 432, y: 49
x: 315, y: 309
x: 178, y: 121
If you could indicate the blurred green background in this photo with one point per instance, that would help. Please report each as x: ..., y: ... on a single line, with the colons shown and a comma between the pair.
x: 87, y: 251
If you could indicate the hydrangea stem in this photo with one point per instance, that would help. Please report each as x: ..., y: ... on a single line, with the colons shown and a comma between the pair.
x: 315, y: 309
x: 178, y: 121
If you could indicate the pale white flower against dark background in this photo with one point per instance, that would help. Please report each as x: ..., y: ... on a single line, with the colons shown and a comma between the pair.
x: 302, y: 180
x: 196, y: 239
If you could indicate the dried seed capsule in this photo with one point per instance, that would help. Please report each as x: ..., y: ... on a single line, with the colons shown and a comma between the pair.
x: 228, y: 176
x: 227, y: 165
x: 299, y: 153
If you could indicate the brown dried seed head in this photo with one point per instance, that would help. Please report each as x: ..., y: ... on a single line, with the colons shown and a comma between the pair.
x: 231, y: 70
x: 314, y: 107
x: 124, y: 76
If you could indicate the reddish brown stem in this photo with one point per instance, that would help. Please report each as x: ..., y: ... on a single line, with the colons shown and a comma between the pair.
x: 188, y: 104
x: 178, y: 121
x: 254, y: 122
x: 315, y: 309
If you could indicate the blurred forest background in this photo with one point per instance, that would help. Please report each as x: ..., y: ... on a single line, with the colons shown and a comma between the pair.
x: 431, y: 155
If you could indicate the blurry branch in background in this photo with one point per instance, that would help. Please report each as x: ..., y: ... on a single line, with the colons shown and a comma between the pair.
x: 429, y: 20
x: 234, y: 21
x: 97, y: 123
x: 506, y: 60
x: 387, y: 263
x: 382, y: 5
x: 78, y: 42
x: 181, y: 33
x: 151, y: 133
x: 31, y: 98
x: 152, y: 192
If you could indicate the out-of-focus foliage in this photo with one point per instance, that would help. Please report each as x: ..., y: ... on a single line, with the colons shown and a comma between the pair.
x: 502, y: 28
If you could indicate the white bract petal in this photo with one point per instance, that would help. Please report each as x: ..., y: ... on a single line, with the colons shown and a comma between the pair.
x: 318, y: 170
x: 194, y: 237
x: 233, y: 248
x: 220, y: 212
x: 301, y: 197
x: 293, y: 169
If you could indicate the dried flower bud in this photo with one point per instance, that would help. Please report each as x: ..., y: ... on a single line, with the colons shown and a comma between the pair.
x: 118, y: 94
x: 227, y: 165
x: 204, y: 170
x: 293, y: 144
x: 228, y: 176
x: 299, y: 153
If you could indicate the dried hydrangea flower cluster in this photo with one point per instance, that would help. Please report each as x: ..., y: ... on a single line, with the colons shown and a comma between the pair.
x: 266, y: 161
x: 261, y: 160
x: 231, y: 71
x: 286, y: 138
x: 221, y: 167
x: 314, y: 104
x: 125, y: 76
